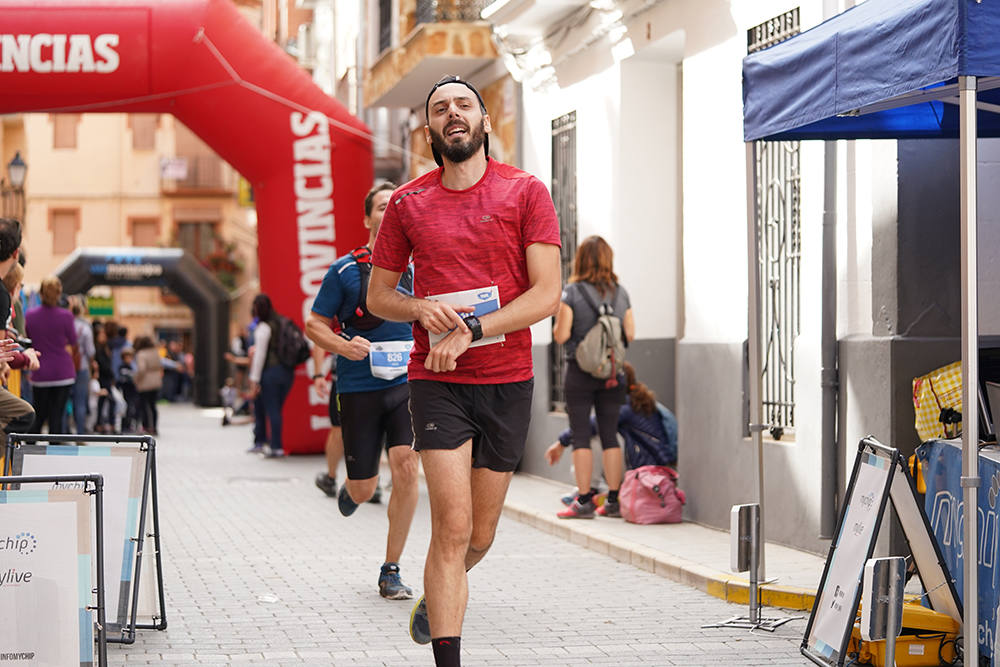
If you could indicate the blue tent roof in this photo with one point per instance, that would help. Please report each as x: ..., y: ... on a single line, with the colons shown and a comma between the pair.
x: 880, y: 70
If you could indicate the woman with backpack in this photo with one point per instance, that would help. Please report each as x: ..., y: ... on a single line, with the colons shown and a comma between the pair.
x: 270, y: 379
x: 648, y: 427
x: 593, y: 299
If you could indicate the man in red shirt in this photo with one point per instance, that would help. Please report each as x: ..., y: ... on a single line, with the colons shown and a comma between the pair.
x: 484, y: 239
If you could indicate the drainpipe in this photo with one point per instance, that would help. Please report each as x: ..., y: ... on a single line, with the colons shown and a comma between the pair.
x: 828, y: 334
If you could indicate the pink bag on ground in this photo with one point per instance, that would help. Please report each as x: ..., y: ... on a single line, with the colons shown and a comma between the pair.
x: 649, y: 494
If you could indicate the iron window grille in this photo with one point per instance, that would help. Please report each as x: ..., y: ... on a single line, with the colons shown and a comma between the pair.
x: 564, y: 198
x: 384, y: 25
x: 779, y: 210
x: 431, y: 11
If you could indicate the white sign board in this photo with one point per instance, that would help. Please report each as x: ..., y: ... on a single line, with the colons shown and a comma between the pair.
x: 836, y: 605
x: 46, y: 578
x: 122, y: 470
x: 150, y: 609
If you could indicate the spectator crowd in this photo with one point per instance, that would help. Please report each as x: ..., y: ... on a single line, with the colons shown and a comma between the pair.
x: 64, y: 373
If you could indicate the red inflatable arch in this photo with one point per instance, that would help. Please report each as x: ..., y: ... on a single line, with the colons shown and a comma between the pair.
x: 309, y: 160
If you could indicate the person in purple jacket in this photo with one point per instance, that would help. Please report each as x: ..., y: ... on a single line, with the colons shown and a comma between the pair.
x: 53, y: 335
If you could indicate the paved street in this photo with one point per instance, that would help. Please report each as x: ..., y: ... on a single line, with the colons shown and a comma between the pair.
x: 259, y: 567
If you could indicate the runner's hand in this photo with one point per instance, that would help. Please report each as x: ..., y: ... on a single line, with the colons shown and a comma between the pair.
x: 554, y: 453
x: 443, y: 357
x: 322, y: 388
x: 438, y: 317
x: 357, y: 349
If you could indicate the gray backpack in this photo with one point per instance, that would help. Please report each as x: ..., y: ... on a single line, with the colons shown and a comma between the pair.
x: 602, y: 350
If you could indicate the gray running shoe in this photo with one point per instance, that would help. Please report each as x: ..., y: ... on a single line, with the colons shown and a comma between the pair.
x: 420, y: 626
x: 390, y: 586
x: 345, y: 503
x: 327, y: 484
x: 610, y: 509
x: 578, y: 510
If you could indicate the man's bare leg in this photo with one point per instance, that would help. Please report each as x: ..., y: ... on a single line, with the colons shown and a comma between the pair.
x: 334, y: 450
x: 489, y: 488
x: 327, y: 481
x: 360, y: 490
x: 404, y: 464
x: 448, y: 473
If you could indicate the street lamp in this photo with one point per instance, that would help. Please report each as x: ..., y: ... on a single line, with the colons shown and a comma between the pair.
x: 12, y: 204
x: 17, y: 170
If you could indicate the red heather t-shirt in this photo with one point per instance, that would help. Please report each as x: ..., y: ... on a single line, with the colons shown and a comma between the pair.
x: 469, y: 239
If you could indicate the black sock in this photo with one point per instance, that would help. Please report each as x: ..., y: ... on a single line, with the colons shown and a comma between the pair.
x: 612, y: 496
x: 594, y: 490
x: 585, y: 498
x: 447, y: 651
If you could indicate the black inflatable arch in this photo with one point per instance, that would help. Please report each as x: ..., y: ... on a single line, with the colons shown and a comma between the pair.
x: 180, y: 271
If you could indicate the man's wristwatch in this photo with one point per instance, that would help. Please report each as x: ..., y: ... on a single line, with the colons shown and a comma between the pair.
x: 318, y: 376
x: 474, y: 325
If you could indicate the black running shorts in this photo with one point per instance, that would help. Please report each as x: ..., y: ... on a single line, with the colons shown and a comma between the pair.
x: 367, y: 416
x: 494, y: 416
x: 333, y: 409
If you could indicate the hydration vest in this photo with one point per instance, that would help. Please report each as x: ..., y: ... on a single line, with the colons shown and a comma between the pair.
x: 362, y: 319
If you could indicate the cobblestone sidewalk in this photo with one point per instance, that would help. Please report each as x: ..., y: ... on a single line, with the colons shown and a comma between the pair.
x: 260, y: 568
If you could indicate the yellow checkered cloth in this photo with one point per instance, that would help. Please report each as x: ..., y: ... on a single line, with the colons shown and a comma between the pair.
x: 933, y: 392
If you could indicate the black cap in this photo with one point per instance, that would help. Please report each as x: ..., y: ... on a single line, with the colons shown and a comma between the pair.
x: 445, y: 80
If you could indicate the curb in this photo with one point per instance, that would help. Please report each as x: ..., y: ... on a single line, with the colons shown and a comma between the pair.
x: 718, y: 584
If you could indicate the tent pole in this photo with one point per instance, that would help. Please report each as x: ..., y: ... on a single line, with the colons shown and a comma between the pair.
x: 829, y: 381
x: 970, y: 364
x: 828, y: 348
x: 753, y: 341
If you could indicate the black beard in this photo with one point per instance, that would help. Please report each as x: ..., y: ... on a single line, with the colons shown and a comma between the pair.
x: 463, y: 150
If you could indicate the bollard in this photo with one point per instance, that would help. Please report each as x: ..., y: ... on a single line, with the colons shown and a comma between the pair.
x: 882, y: 613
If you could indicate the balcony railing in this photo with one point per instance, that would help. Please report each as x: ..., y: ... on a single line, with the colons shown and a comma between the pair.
x: 431, y: 11
x: 203, y: 173
x: 449, y: 32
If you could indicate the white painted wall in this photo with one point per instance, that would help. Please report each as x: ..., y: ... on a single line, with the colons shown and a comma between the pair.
x: 855, y: 208
x: 627, y: 166
x: 645, y: 226
x: 596, y: 101
x: 715, y: 264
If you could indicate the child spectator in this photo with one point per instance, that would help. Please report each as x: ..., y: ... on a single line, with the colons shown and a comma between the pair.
x: 126, y: 385
x: 106, y: 380
x: 94, y: 395
x: 229, y: 394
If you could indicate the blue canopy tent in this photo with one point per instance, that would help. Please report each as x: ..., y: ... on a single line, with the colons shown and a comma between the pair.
x: 886, y: 69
